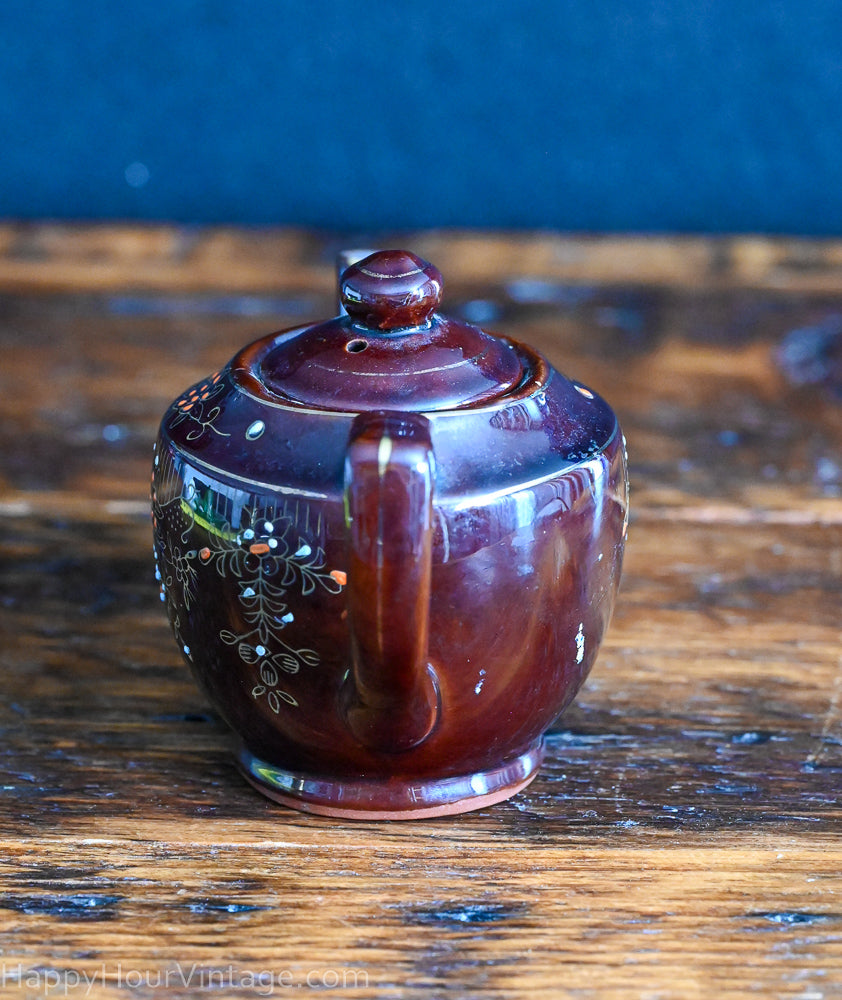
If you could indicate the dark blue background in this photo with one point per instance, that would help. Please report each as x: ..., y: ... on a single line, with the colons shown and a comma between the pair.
x: 695, y: 115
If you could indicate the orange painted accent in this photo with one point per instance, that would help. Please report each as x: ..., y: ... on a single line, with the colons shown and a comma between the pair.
x: 340, y: 576
x: 187, y: 408
x: 259, y: 549
x: 204, y: 554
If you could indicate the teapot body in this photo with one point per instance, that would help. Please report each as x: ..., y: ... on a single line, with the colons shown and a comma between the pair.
x: 525, y: 542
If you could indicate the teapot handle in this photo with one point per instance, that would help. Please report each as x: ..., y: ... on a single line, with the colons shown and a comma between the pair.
x: 390, y: 695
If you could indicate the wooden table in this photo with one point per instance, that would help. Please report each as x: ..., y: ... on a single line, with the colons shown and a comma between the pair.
x: 682, y: 839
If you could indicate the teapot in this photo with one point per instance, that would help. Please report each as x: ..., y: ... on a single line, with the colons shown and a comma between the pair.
x: 389, y: 545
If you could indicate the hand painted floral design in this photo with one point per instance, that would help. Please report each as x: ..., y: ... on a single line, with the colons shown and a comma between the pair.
x: 195, y: 406
x: 267, y: 556
x: 272, y: 550
x: 178, y: 568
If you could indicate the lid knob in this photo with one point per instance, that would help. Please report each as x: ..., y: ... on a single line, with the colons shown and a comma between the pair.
x: 391, y: 289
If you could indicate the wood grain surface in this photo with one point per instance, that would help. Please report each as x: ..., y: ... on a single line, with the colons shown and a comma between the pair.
x: 682, y: 839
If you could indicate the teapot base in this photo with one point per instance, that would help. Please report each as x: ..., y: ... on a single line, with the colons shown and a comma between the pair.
x: 392, y: 798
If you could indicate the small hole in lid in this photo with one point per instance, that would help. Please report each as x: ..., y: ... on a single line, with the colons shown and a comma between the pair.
x: 356, y: 346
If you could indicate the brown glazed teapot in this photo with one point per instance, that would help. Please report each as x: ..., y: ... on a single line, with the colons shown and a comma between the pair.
x: 389, y: 547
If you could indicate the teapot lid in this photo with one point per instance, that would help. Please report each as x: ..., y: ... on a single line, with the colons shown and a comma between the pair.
x: 392, y: 349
